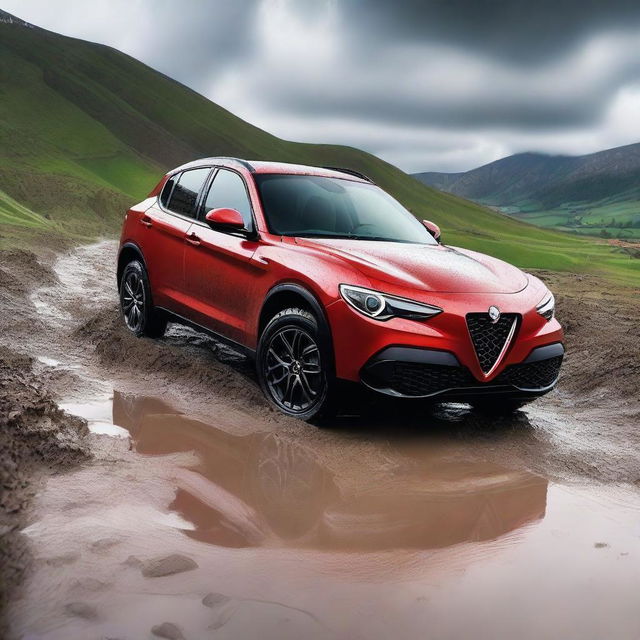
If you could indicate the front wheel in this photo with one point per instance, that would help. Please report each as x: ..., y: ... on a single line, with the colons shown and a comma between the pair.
x: 294, y: 366
x: 136, y: 303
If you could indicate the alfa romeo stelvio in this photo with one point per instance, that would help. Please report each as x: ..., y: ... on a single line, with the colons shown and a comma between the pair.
x: 325, y: 279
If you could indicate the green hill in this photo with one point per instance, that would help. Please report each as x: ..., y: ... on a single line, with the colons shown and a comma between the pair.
x: 85, y: 130
x: 594, y: 194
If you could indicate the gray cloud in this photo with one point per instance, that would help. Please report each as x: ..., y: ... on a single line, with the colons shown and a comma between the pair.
x: 440, y: 84
x: 192, y: 40
x: 523, y: 32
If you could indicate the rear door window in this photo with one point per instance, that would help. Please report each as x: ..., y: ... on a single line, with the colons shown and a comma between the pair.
x: 167, y: 189
x: 228, y: 190
x: 184, y: 197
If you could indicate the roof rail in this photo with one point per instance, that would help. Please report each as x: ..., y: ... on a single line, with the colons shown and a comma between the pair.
x: 352, y: 172
x: 244, y: 163
x: 212, y: 160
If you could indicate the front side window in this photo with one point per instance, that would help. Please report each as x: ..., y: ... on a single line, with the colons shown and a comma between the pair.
x: 228, y: 191
x: 323, y: 207
x: 184, y: 197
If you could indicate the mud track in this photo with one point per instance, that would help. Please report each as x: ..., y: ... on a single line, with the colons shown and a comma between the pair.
x: 63, y: 341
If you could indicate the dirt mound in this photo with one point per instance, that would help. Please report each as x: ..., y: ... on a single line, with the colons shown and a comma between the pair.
x: 188, y: 357
x: 35, y: 435
x: 21, y: 270
x: 602, y: 339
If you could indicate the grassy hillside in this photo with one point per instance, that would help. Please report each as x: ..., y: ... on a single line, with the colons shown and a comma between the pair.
x: 85, y: 130
x: 595, y: 194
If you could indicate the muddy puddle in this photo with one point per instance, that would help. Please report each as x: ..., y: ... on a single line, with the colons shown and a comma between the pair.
x: 204, y: 514
x: 231, y: 533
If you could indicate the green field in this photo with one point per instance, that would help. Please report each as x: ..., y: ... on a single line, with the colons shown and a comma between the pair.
x: 86, y: 130
x: 610, y: 218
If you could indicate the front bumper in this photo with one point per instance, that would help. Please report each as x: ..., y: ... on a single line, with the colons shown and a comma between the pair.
x: 410, y: 372
x: 359, y: 342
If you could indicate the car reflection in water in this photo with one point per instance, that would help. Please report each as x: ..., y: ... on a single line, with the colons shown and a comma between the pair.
x: 266, y: 489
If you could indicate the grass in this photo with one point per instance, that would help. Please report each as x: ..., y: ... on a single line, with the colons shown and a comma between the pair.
x: 618, y: 215
x: 86, y: 130
x: 12, y: 213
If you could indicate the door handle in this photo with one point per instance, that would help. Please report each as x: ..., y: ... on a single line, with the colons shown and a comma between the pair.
x: 193, y: 239
x: 146, y: 221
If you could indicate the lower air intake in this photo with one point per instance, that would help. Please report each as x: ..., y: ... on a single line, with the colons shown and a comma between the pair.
x: 531, y: 375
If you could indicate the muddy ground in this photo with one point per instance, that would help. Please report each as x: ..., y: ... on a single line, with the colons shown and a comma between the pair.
x: 169, y: 493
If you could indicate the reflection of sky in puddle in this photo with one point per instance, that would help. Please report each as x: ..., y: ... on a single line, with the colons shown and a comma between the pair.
x: 98, y: 416
x: 268, y: 489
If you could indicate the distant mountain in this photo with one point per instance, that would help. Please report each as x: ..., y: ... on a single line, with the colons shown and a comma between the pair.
x: 86, y: 130
x: 7, y: 18
x: 597, y: 193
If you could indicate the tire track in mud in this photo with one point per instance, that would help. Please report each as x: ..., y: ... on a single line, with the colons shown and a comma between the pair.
x: 587, y: 428
x: 66, y: 316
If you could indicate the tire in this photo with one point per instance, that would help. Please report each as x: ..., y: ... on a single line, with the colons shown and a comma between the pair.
x: 294, y: 363
x: 498, y: 406
x: 136, y: 303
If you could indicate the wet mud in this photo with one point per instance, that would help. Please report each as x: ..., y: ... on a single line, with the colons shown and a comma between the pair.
x: 191, y: 509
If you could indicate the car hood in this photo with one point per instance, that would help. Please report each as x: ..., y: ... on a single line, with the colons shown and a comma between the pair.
x: 435, y: 268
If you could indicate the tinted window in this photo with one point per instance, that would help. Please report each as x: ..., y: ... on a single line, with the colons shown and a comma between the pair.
x: 166, y: 190
x: 314, y: 206
x: 185, y: 193
x: 228, y: 190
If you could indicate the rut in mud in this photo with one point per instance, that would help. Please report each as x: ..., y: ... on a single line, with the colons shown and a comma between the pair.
x: 587, y: 428
x: 298, y: 531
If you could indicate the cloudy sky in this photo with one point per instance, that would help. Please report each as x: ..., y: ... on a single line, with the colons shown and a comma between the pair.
x: 442, y: 85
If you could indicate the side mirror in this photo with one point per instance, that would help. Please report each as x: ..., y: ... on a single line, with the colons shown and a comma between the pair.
x: 224, y: 217
x: 432, y: 228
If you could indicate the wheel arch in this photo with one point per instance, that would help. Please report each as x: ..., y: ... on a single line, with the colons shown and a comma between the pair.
x: 290, y: 294
x: 128, y: 251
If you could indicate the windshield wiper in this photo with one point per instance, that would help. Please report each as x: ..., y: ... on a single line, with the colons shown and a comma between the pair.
x: 345, y: 236
x: 319, y: 235
x: 374, y: 238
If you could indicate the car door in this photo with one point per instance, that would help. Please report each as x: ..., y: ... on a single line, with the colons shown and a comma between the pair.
x: 167, y: 223
x: 220, y: 276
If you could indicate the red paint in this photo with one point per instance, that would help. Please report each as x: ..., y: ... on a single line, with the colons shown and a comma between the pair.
x: 432, y: 228
x: 225, y: 217
x: 220, y: 279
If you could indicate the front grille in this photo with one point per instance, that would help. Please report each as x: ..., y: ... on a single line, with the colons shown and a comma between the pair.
x: 531, y: 375
x: 415, y: 379
x: 489, y: 337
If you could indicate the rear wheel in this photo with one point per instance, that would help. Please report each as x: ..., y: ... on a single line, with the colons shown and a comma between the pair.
x: 294, y: 366
x: 136, y: 304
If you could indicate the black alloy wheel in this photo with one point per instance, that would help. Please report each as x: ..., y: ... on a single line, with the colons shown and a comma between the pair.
x: 293, y: 373
x: 133, y: 300
x: 294, y: 366
x: 136, y: 303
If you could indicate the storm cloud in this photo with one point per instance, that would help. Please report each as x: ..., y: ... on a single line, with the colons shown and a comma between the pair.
x: 432, y: 85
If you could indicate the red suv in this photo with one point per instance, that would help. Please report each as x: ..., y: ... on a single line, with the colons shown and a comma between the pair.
x: 323, y: 278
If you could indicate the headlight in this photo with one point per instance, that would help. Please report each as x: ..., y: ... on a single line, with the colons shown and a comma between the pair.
x: 547, y: 307
x: 382, y: 306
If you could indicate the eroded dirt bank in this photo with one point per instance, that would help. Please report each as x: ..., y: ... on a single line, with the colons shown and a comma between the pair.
x: 203, y: 510
x: 35, y: 437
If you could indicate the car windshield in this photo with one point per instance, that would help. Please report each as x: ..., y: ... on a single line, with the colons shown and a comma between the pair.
x: 322, y: 207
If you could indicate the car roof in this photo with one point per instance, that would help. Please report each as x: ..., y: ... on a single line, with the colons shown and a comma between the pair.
x: 262, y: 166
